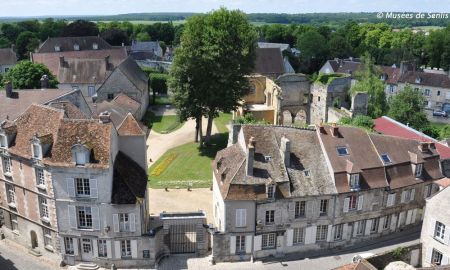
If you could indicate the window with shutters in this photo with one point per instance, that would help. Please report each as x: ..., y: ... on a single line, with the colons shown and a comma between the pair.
x: 68, y: 245
x: 323, y: 207
x: 338, y: 232
x: 270, y: 217
x: 418, y: 172
x: 299, y: 236
x: 82, y: 187
x: 47, y: 238
x: 240, y: 244
x: 354, y: 181
x: 387, y: 222
x: 126, y: 248
x: 10, y: 194
x: 124, y: 223
x: 360, y: 227
x: 37, y: 151
x: 428, y: 191
x: 436, y: 257
x: 353, y: 203
x: 40, y: 178
x: 300, y: 209
x: 439, y: 231
x: 268, y: 240
x: 374, y: 225
x: 43, y: 207
x: 84, y: 217
x: 241, y: 217
x: 321, y: 234
x: 102, y: 250
x: 14, y: 223
x: 6, y: 162
x: 3, y: 141
x: 390, y: 200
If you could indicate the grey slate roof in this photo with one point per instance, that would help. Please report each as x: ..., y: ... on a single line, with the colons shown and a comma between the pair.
x: 67, y: 44
x: 8, y: 57
x: 142, y: 46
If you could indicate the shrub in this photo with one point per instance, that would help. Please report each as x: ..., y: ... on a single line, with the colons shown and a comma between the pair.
x: 158, y: 82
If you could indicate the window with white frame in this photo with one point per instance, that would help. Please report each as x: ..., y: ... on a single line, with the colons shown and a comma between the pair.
x: 3, y: 141
x: 14, y: 222
x: 322, y: 231
x: 47, y: 238
x: 37, y: 153
x: 6, y: 162
x: 427, y: 92
x: 353, y: 203
x: 270, y: 192
x: 436, y: 257
x: 43, y: 207
x: 360, y: 227
x: 299, y: 236
x: 102, y: 250
x: 419, y: 167
x: 338, y: 231
x: 270, y: 216
x: 439, y: 231
x: 84, y: 217
x: 82, y: 187
x: 374, y: 225
x: 241, y: 217
x: 10, y: 194
x: 354, y: 181
x: 124, y: 222
x: 240, y: 244
x: 386, y: 222
x: 126, y: 248
x: 40, y: 178
x: 68, y: 245
x: 300, y: 209
x: 323, y: 207
x: 86, y: 245
x: 268, y: 240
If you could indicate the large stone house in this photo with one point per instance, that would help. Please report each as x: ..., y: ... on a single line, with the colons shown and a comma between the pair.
x: 280, y: 190
x: 65, y: 44
x: 8, y: 59
x: 435, y: 236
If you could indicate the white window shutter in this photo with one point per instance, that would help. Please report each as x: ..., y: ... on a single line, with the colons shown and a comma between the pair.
x: 401, y: 218
x: 238, y: 218
x: 360, y: 202
x: 414, y: 216
x: 432, y: 226
x: 62, y: 245
x: 426, y: 190
x: 95, y: 247
x: 368, y: 226
x: 95, y: 218
x: 116, y: 222
x: 248, y: 244
x: 403, y: 196
x: 93, y: 188
x: 390, y: 200
x: 232, y: 244
x: 380, y: 224
x: 428, y: 255
x: 132, y: 217
x: 108, y: 249
x: 72, y: 216
x: 413, y: 194
x: 346, y: 204
x: 291, y: 210
x: 289, y: 237
x: 134, y: 253
x: 75, y: 246
x: 70, y: 187
x: 330, y: 233
x: 310, y: 235
x: 345, y: 232
x: 444, y: 260
x: 356, y: 224
x: 117, y: 250
x: 393, y: 222
x: 257, y: 243
x: 244, y: 217
x: 408, y: 217
x: 447, y: 235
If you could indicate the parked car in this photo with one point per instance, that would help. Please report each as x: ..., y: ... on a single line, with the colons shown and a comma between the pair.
x: 359, y: 257
x: 440, y: 113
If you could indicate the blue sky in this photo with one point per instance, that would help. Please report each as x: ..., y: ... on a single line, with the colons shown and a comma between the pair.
x: 106, y: 7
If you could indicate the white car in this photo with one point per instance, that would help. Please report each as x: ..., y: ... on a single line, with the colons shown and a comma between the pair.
x: 359, y: 257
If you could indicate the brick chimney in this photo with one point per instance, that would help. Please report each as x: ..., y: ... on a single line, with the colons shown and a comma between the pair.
x: 250, y: 155
x: 8, y: 89
x: 286, y: 150
x: 61, y: 61
x: 334, y: 130
x: 104, y: 117
x: 44, y: 82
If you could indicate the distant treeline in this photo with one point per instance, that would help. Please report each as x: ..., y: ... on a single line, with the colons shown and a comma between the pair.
x: 330, y: 19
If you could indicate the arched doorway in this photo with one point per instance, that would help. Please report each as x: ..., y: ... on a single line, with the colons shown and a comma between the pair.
x: 300, y: 118
x: 34, y: 240
x: 287, y: 118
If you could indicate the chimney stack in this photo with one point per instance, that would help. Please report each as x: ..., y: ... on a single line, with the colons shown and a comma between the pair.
x: 286, y: 150
x: 424, y: 146
x: 250, y: 155
x: 8, y: 89
x: 44, y: 82
x: 334, y: 130
x: 105, y: 117
x: 322, y: 128
x: 61, y: 61
x: 107, y: 62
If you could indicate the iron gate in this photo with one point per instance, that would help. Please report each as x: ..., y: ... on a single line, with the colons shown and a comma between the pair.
x: 183, y: 238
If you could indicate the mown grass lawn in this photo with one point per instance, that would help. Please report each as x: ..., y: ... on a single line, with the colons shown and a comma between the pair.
x: 188, y: 165
x: 162, y: 124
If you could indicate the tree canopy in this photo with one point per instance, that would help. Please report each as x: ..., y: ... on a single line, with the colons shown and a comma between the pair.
x: 407, y: 108
x: 27, y: 75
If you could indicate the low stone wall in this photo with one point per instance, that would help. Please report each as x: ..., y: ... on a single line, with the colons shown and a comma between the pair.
x: 409, y: 255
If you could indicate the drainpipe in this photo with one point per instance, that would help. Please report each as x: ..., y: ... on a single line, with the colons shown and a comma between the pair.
x: 254, y: 234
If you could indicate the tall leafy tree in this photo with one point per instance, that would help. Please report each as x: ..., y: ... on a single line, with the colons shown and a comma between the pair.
x: 314, y: 49
x: 26, y: 42
x: 208, y: 74
x: 80, y: 28
x: 115, y: 36
x: 27, y: 75
x: 407, y: 107
x: 369, y: 81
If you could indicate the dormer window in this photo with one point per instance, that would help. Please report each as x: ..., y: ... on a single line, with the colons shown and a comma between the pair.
x: 307, y: 173
x: 3, y: 141
x: 76, y: 47
x: 270, y: 192
x: 95, y: 46
x: 386, y: 159
x: 80, y: 154
x: 37, y: 150
x: 354, y: 181
x: 57, y: 48
x: 342, y: 151
x: 418, y: 80
x: 418, y: 171
x: 267, y: 158
x: 383, y: 77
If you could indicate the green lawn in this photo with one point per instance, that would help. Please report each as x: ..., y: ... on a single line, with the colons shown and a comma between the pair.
x: 188, y: 165
x: 162, y: 124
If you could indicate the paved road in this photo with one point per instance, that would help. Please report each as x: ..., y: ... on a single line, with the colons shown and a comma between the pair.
x: 326, y: 262
x: 13, y: 258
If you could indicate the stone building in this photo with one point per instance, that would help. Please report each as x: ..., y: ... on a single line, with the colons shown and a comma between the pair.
x: 435, y: 236
x: 8, y: 59
x: 280, y: 190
